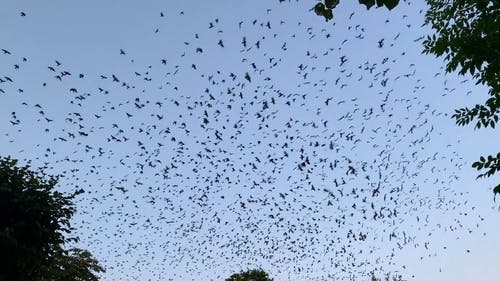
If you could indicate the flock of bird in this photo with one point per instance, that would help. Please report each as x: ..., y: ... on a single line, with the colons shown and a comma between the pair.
x: 263, y: 143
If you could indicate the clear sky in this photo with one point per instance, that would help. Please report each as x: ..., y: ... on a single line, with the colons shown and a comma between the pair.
x: 215, y: 136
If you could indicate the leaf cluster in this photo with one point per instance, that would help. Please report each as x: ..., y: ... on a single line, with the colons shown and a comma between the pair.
x: 325, y: 8
x: 492, y: 164
x: 250, y: 275
x: 73, y: 265
x: 487, y: 115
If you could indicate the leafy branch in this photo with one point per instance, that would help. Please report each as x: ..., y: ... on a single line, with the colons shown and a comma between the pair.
x: 491, y: 163
x: 325, y: 8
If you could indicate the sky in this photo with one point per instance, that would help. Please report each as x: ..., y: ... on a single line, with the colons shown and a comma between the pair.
x: 214, y: 137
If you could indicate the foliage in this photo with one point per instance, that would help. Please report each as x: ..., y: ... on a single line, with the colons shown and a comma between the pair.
x: 250, y: 275
x: 75, y: 265
x: 468, y: 36
x: 325, y: 8
x: 496, y: 190
x: 491, y: 163
x: 34, y: 221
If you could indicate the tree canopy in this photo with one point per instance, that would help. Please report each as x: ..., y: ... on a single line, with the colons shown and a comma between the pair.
x: 34, y: 227
x: 250, y: 275
x: 73, y: 265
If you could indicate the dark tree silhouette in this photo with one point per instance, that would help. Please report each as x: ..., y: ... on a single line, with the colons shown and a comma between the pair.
x: 73, y: 265
x: 33, y: 226
x: 250, y: 275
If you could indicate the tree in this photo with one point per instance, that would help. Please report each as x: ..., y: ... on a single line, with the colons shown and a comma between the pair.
x: 34, y: 221
x: 250, y: 275
x: 467, y: 35
x: 73, y: 265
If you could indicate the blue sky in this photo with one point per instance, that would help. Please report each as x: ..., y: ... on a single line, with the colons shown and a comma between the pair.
x: 201, y: 157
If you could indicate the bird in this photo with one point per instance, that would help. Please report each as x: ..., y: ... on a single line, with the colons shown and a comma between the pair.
x: 251, y: 147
